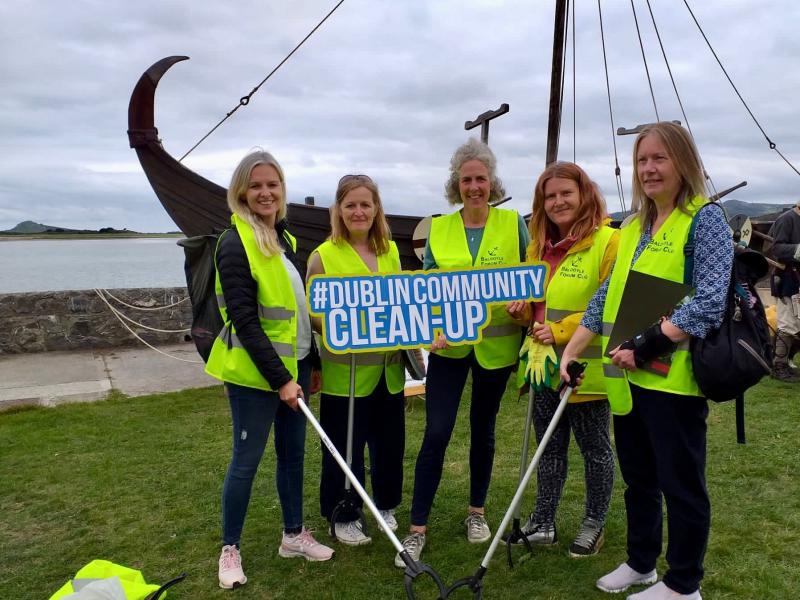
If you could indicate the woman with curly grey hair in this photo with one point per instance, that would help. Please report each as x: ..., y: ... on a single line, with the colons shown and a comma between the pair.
x: 480, y: 235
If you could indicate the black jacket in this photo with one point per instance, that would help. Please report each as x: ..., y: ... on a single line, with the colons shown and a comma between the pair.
x: 786, y: 233
x: 240, y: 292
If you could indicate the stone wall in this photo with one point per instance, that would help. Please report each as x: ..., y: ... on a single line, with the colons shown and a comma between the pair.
x: 72, y: 320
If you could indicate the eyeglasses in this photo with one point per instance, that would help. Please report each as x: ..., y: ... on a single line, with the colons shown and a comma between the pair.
x: 362, y: 178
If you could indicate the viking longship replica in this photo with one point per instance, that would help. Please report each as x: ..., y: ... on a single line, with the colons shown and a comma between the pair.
x: 198, y: 206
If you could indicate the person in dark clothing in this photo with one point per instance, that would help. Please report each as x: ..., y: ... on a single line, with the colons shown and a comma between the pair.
x: 785, y: 285
x: 265, y: 354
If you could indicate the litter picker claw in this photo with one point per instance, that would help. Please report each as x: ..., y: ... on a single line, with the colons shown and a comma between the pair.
x: 475, y: 582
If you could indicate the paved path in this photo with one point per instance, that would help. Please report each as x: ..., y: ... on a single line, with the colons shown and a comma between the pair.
x: 49, y: 378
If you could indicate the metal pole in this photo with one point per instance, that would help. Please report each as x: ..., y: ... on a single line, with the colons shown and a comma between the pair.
x: 554, y: 119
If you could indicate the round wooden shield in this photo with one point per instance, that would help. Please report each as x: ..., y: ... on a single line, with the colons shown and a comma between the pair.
x: 420, y: 236
x: 414, y: 362
x: 742, y: 229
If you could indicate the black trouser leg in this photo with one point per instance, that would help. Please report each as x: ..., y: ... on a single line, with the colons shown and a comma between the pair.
x: 661, y: 447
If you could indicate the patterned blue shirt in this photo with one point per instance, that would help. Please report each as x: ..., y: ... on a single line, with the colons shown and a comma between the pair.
x: 713, y: 259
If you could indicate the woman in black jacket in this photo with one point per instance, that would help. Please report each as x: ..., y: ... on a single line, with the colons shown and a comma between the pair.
x: 265, y: 355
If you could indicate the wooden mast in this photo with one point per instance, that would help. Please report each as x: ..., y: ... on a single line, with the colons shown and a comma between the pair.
x: 556, y: 75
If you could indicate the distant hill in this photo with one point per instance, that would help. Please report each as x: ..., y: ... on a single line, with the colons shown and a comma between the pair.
x: 31, y: 227
x: 738, y: 207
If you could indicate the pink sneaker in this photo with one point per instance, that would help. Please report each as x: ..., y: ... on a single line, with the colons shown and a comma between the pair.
x: 231, y: 574
x: 303, y: 544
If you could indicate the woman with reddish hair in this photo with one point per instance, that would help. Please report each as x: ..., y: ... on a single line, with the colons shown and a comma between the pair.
x: 569, y: 231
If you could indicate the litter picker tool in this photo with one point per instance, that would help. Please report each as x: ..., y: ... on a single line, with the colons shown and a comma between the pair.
x: 413, y: 568
x: 516, y: 536
x: 348, y: 503
x: 475, y: 582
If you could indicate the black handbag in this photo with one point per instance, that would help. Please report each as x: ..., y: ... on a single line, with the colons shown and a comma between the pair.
x: 737, y: 354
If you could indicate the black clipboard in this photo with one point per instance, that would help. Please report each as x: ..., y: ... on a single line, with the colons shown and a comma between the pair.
x: 645, y: 299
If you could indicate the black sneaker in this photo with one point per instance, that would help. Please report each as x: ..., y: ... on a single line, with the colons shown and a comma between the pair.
x: 538, y: 534
x: 589, y: 539
x: 783, y: 372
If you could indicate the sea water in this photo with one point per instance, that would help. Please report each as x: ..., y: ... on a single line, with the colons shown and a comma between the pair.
x: 79, y: 264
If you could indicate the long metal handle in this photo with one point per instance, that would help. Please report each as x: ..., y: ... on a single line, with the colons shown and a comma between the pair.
x: 526, y: 478
x: 349, y: 474
x: 350, y: 415
x: 526, y: 440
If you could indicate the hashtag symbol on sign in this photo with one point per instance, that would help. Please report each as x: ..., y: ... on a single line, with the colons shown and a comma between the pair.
x: 320, y: 294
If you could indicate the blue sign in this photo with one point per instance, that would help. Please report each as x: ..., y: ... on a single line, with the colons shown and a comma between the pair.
x: 408, y: 309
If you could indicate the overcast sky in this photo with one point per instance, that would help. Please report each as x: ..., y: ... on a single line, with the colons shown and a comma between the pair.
x: 383, y: 88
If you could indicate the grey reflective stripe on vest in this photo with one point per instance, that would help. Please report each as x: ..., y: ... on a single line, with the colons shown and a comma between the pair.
x: 592, y: 351
x: 556, y: 314
x: 272, y: 313
x: 501, y: 330
x: 231, y: 340
x: 363, y: 359
x: 275, y: 313
x: 607, y: 327
x: 612, y: 371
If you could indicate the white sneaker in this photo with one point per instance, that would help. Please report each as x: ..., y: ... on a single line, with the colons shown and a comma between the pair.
x: 305, y: 546
x: 477, y: 528
x: 388, y: 516
x: 351, y: 533
x: 623, y: 577
x: 413, y: 544
x: 660, y: 591
x: 231, y: 574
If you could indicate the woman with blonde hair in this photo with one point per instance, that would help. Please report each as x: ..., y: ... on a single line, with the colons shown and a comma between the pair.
x: 265, y: 355
x: 360, y: 243
x: 569, y: 231
x: 660, y: 415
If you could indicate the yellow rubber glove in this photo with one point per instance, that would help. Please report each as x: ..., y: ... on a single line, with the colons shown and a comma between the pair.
x: 541, y: 360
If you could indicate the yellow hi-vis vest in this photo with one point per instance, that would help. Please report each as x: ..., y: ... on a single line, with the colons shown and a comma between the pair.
x: 342, y: 259
x: 501, y: 338
x: 131, y: 580
x: 277, y: 313
x: 569, y: 290
x: 663, y: 257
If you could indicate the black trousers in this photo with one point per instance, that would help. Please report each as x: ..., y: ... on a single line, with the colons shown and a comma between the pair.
x: 661, y: 447
x: 443, y: 388
x: 378, y: 424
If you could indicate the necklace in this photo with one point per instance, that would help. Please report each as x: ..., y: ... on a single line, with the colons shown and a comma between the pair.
x: 473, y: 233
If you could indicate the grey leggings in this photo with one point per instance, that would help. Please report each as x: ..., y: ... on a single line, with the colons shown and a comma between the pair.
x: 589, y: 422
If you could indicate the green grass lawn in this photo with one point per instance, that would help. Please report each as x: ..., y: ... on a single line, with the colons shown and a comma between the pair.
x: 137, y: 481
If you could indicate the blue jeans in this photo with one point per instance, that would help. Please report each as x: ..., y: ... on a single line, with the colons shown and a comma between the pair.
x: 253, y: 412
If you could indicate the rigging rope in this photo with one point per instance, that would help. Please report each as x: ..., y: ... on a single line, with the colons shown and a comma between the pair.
x: 772, y: 145
x: 644, y: 59
x: 116, y: 313
x: 145, y: 308
x: 244, y: 100
x: 677, y: 94
x: 120, y: 315
x: 617, y: 172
